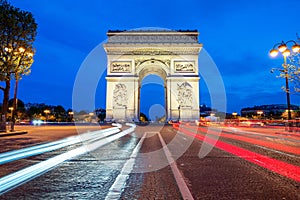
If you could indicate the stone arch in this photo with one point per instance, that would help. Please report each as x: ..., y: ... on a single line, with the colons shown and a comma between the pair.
x: 171, y: 55
x: 153, y: 68
x: 159, y: 67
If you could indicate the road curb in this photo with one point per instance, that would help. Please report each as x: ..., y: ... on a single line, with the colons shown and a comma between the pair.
x: 4, y: 134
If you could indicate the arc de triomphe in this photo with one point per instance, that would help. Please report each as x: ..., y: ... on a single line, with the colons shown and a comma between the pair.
x: 172, y: 55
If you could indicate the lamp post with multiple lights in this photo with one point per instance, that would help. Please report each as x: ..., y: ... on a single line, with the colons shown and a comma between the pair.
x: 285, y: 51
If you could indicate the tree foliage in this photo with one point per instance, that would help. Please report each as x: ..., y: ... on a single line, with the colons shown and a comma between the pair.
x: 294, y: 71
x: 291, y: 70
x: 17, y: 34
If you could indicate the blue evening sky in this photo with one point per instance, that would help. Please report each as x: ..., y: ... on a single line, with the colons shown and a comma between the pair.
x: 237, y: 34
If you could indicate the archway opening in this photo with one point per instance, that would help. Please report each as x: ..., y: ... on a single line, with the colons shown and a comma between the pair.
x: 153, y: 99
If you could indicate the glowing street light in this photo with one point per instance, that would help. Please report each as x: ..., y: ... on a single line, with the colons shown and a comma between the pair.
x: 47, y: 113
x: 20, y: 53
x: 91, y: 114
x: 285, y: 51
x: 234, y: 114
x: 21, y: 50
x: 11, y: 111
x: 260, y: 112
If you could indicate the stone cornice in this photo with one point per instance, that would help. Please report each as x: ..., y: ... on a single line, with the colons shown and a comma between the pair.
x: 153, y: 36
x: 153, y: 50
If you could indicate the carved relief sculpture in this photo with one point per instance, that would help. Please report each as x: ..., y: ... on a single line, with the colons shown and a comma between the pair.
x: 120, y: 96
x: 185, y: 94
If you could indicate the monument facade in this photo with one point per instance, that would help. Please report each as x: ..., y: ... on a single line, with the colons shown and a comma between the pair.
x: 172, y: 55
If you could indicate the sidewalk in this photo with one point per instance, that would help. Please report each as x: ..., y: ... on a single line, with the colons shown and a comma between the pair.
x: 9, y: 133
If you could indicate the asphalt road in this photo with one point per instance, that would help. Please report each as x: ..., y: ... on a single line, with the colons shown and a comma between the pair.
x: 220, y: 174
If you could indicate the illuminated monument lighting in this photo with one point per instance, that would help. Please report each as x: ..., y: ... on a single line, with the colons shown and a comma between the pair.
x: 172, y: 55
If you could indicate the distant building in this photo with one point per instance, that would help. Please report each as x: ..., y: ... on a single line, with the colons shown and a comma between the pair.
x: 268, y: 111
x: 206, y: 111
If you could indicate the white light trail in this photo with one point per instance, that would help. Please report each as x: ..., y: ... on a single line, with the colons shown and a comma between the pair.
x: 116, y: 189
x: 39, y: 149
x: 17, y: 178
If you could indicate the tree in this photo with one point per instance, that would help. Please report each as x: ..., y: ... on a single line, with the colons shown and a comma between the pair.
x: 291, y: 66
x: 59, y: 113
x: 294, y: 71
x: 143, y: 117
x: 20, y: 109
x: 17, y: 34
x: 101, y: 114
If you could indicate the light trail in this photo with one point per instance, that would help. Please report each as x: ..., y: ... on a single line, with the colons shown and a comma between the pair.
x: 280, y: 167
x: 286, y: 154
x: 43, y: 148
x: 289, y: 137
x: 280, y: 147
x: 20, y: 177
x: 116, y: 189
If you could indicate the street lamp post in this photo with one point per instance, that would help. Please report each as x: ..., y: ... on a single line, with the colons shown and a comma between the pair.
x: 178, y: 113
x: 260, y: 112
x: 285, y: 51
x: 71, y: 114
x: 91, y: 114
x: 21, y: 54
x: 234, y: 114
x: 47, y: 113
x: 11, y: 111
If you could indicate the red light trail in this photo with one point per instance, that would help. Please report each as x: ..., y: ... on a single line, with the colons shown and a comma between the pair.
x: 280, y: 167
x: 288, y: 149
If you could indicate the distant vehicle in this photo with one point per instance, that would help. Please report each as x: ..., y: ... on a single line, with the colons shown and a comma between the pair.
x: 276, y: 124
x: 251, y: 123
x: 173, y: 121
x: 24, y: 122
x: 37, y: 122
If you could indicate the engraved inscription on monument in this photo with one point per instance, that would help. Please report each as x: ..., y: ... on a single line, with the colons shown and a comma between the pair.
x: 120, y: 67
x: 184, y: 66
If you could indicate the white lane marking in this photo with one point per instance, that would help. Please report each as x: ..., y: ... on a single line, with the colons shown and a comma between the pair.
x: 184, y: 190
x: 15, y: 179
x: 116, y: 189
x: 286, y: 154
